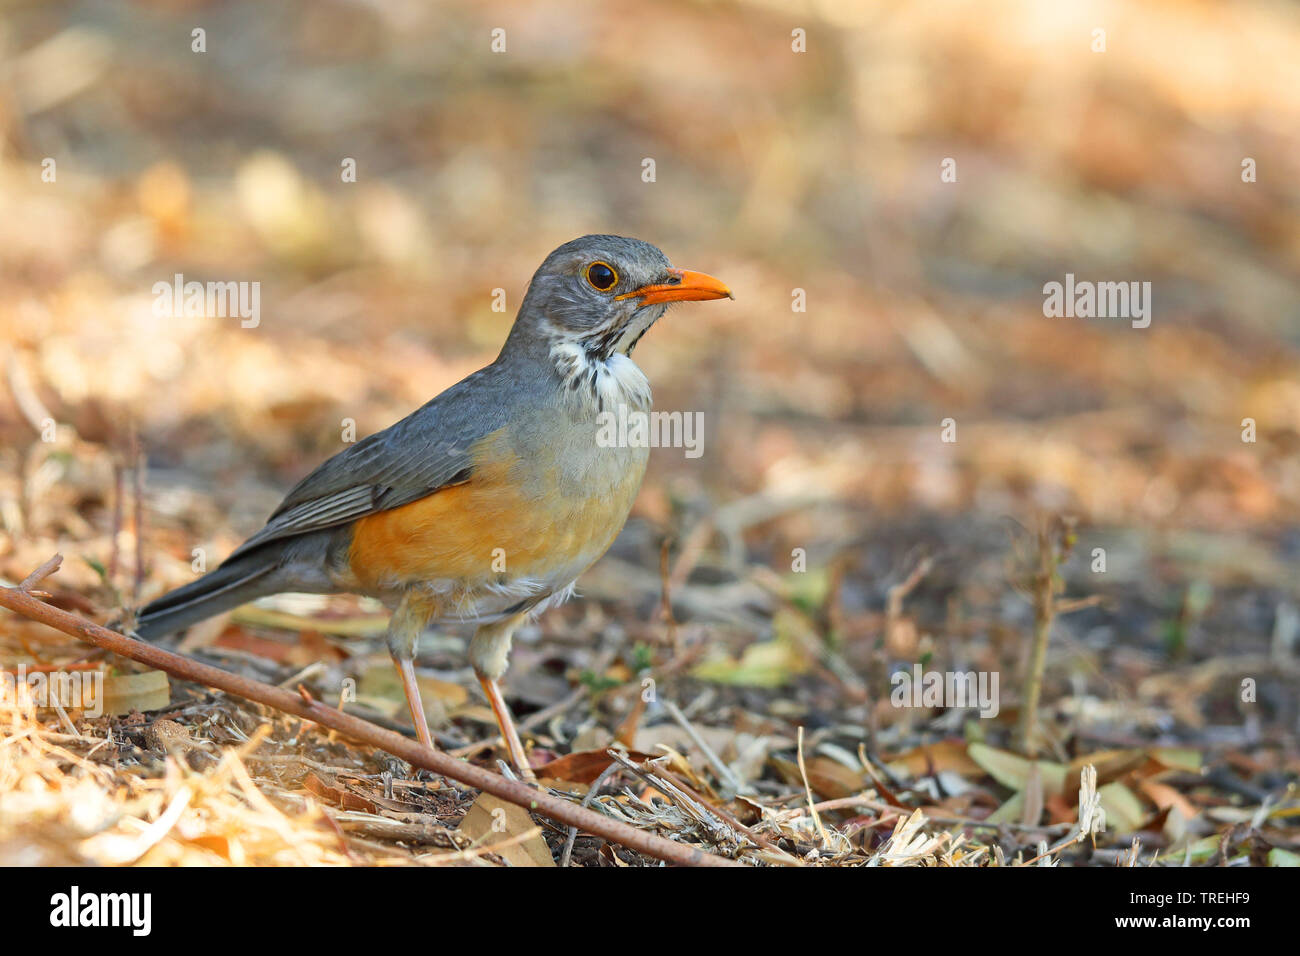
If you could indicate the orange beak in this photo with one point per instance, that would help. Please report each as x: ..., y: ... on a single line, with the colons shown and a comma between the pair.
x: 690, y: 286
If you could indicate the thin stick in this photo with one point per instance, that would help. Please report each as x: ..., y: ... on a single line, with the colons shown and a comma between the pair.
x: 666, y: 600
x: 586, y: 802
x: 1055, y: 542
x: 41, y: 573
x: 722, y: 813
x: 894, y: 597
x: 21, y: 602
x: 533, y: 721
x: 721, y: 769
x: 848, y: 803
x: 1044, y: 612
x: 812, y: 807
x: 1056, y: 849
x: 115, y: 542
x: 138, y: 450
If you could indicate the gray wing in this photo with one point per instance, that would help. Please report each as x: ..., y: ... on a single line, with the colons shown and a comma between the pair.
x: 423, y: 453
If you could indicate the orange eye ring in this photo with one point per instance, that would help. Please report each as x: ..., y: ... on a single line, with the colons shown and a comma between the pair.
x: 601, y: 276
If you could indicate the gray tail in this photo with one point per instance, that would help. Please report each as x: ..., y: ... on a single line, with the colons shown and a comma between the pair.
x: 246, y: 578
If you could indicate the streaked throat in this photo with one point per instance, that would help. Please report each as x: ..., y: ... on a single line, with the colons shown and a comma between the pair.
x: 600, y: 382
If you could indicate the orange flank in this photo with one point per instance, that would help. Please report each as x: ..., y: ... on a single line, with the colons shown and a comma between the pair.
x: 454, y: 533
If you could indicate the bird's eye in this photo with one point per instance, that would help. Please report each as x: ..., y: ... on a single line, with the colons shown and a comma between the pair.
x: 602, y: 276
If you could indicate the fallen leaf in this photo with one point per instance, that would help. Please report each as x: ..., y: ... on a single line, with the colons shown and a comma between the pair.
x: 1177, y: 758
x: 1013, y: 771
x: 827, y: 777
x: 358, y: 626
x: 1009, y: 812
x: 937, y: 757
x: 626, y: 732
x: 583, y: 766
x: 380, y: 679
x: 1032, y: 811
x: 1110, y: 765
x: 1124, y: 811
x: 1059, y: 810
x: 143, y: 692
x: 675, y: 737
x: 1165, y: 796
x: 491, y: 821
x: 337, y: 796
x: 214, y: 842
x: 1202, y: 849
x: 763, y: 663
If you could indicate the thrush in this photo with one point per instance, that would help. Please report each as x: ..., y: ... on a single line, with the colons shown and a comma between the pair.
x: 486, y: 504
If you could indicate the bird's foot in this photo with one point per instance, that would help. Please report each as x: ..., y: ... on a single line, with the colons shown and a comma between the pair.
x: 507, y: 724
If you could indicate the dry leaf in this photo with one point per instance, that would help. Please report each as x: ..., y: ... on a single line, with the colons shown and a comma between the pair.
x: 582, y: 767
x: 827, y: 777
x: 145, y: 691
x: 1165, y: 796
x: 1110, y: 764
x: 492, y: 821
x: 380, y: 679
x: 626, y: 733
x: 337, y: 796
x: 937, y: 757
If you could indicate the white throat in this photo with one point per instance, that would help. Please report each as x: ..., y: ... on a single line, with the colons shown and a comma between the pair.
x: 601, y: 384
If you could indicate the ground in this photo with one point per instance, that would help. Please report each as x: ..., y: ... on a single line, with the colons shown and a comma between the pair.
x: 906, y: 461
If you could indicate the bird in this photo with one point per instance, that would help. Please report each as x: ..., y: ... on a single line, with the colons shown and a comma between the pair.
x: 487, y: 503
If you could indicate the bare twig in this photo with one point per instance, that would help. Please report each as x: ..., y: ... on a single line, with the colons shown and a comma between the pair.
x: 697, y: 806
x: 41, y: 573
x: 721, y: 769
x: 114, y: 542
x: 137, y: 451
x: 725, y: 815
x: 21, y: 602
x: 1053, y: 850
x: 894, y: 597
x: 1055, y: 541
x: 586, y: 802
x: 692, y: 548
x: 880, y: 806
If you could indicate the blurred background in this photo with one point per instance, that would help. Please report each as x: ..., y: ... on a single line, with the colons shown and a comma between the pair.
x: 776, y: 170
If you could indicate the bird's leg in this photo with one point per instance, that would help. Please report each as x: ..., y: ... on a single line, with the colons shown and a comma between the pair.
x: 404, y: 629
x: 406, y: 668
x: 507, y: 724
x: 489, y: 652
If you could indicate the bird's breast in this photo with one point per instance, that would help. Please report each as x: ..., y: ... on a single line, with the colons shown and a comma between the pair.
x: 544, y: 500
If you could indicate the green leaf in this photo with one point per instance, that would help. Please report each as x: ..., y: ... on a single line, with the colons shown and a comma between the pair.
x: 597, y: 682
x: 1009, y: 812
x: 1280, y: 857
x: 808, y: 589
x: 97, y: 567
x: 1177, y: 758
x: 643, y: 656
x: 1012, y: 770
x: 1124, y: 811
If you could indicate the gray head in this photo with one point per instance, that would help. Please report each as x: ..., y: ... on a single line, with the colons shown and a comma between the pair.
x: 602, y: 293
